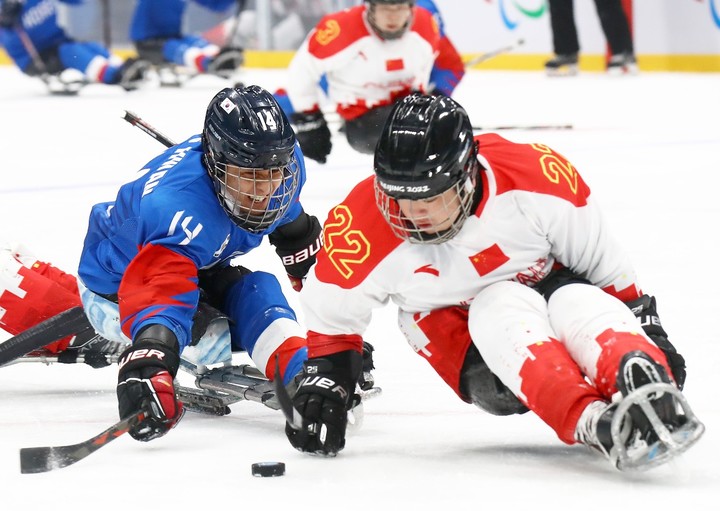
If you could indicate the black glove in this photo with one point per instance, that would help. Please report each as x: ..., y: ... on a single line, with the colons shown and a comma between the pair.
x: 145, y: 382
x: 10, y: 13
x: 313, y: 134
x: 323, y: 398
x: 645, y: 309
x: 297, y: 244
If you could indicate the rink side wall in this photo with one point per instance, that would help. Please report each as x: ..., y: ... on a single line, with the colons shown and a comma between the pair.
x: 669, y: 35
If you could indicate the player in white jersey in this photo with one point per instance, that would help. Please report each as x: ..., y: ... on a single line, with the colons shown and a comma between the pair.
x: 507, y: 281
x: 366, y: 58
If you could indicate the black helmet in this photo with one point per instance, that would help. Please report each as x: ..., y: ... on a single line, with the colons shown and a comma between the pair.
x: 425, y: 149
x: 384, y: 33
x: 246, y: 128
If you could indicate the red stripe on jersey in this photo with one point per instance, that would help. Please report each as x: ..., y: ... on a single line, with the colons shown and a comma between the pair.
x: 320, y: 345
x: 154, y: 278
x: 624, y: 295
x: 284, y: 352
x: 356, y: 237
x: 394, y: 65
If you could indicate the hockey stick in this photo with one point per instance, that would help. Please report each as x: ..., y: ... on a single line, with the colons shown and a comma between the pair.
x: 32, y: 51
x: 292, y: 416
x: 494, y: 53
x: 525, y: 127
x: 69, y: 322
x: 150, y: 130
x: 230, y: 38
x: 35, y: 460
x: 106, y: 24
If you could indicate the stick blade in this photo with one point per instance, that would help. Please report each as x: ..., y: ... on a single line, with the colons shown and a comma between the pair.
x: 36, y: 460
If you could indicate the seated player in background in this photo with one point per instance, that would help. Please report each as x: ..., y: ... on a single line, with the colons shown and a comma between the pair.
x: 33, y: 38
x: 366, y: 58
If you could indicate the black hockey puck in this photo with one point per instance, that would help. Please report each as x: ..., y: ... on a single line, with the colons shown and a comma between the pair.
x: 268, y: 469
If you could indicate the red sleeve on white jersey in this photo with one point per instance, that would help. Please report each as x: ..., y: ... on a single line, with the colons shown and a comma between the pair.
x: 337, y: 31
x: 424, y: 24
x: 534, y: 168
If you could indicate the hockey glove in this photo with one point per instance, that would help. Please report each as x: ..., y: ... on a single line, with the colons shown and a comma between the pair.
x: 645, y: 309
x: 323, y: 398
x: 145, y: 382
x: 297, y: 244
x: 10, y: 13
x: 313, y: 134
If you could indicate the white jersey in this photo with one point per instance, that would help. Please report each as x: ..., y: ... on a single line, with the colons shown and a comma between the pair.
x: 535, y: 213
x: 362, y: 70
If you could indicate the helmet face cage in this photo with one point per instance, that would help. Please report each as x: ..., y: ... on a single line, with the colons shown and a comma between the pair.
x: 247, y: 195
x: 249, y: 153
x: 385, y: 34
x: 457, y: 206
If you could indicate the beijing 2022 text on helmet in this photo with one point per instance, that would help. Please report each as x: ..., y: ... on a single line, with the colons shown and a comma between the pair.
x: 425, y: 149
x: 386, y: 34
x: 246, y: 128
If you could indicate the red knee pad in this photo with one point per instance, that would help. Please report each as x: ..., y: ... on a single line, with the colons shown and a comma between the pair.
x: 35, y: 295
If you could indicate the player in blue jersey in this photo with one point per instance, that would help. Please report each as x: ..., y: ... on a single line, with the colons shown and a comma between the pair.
x: 40, y: 47
x: 156, y: 32
x: 163, y: 248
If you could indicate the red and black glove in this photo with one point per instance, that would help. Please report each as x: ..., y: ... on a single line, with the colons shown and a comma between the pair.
x: 145, y: 382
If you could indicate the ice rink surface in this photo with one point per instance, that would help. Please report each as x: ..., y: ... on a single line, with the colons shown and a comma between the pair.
x: 648, y: 146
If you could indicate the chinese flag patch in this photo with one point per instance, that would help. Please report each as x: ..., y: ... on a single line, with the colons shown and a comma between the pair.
x: 489, y: 259
x: 394, y: 65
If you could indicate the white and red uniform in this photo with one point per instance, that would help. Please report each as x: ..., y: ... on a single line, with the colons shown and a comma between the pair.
x: 363, y: 70
x: 536, y: 213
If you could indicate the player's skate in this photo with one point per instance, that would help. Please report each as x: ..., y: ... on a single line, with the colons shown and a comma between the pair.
x: 648, y: 423
x: 66, y: 83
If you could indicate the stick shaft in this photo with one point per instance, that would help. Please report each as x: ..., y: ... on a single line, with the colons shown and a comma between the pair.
x: 494, y: 53
x: 147, y: 128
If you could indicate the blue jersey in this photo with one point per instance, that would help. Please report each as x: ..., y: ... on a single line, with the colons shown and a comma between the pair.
x: 39, y: 20
x: 148, y: 245
x: 163, y: 18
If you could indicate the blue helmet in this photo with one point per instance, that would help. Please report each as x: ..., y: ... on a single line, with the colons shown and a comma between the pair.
x: 247, y: 132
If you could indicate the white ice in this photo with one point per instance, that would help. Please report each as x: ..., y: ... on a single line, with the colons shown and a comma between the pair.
x: 649, y: 147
